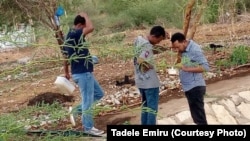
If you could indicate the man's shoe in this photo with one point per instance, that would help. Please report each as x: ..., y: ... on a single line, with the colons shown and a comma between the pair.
x: 94, y: 131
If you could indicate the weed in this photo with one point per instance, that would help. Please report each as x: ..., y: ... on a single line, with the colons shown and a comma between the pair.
x: 240, y: 55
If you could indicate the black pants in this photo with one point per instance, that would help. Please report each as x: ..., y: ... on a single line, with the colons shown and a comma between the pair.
x: 195, y: 98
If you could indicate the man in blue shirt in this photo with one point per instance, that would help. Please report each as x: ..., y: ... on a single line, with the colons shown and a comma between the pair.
x: 81, y: 65
x: 193, y: 64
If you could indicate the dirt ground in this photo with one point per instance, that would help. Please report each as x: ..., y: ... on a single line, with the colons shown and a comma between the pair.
x: 19, y: 93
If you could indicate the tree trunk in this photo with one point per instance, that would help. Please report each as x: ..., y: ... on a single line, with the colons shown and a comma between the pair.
x: 187, y: 17
x: 197, y: 19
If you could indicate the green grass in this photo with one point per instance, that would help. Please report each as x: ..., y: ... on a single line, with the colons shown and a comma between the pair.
x: 13, y: 126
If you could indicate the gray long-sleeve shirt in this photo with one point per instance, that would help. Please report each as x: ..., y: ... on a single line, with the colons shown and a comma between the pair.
x: 144, y: 50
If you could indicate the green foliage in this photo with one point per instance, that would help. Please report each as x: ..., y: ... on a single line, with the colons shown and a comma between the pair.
x: 240, y: 5
x: 13, y: 124
x: 141, y: 14
x: 114, y: 51
x: 212, y: 12
x: 187, y: 62
x: 10, y: 12
x: 9, y: 124
x: 224, y: 63
x: 247, y: 4
x: 126, y: 123
x: 162, y: 65
x: 119, y: 15
x: 114, y: 38
x: 114, y: 7
x: 217, y: 8
x: 123, y: 14
x: 240, y: 55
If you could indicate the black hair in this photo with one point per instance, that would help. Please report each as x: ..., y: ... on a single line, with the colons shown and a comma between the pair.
x: 158, y: 31
x: 180, y: 37
x: 79, y: 20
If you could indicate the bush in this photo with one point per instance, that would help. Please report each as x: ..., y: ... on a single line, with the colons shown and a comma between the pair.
x: 120, y: 15
x: 247, y: 4
x: 212, y: 12
x: 240, y: 55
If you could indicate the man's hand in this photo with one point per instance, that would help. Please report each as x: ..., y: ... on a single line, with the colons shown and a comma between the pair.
x: 144, y: 67
x: 66, y: 69
x: 88, y: 28
x: 140, y: 60
x: 178, y: 65
x: 67, y: 75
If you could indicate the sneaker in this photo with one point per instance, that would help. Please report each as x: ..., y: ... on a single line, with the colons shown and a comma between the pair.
x: 94, y: 131
x: 71, y: 115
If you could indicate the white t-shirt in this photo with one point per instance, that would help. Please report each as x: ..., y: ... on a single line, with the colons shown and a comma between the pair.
x: 144, y: 50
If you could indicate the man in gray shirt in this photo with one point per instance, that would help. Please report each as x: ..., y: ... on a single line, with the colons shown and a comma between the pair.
x: 146, y: 78
x: 193, y: 64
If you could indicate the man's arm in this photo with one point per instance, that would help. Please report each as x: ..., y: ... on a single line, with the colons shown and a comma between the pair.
x: 89, y: 26
x: 202, y: 66
x: 159, y: 49
x: 196, y: 69
x: 144, y: 66
x: 66, y: 68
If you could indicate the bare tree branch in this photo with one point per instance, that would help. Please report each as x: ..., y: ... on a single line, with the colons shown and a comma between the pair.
x: 44, y: 12
x: 41, y: 10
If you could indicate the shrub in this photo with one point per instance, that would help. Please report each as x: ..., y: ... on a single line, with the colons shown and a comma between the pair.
x: 240, y: 55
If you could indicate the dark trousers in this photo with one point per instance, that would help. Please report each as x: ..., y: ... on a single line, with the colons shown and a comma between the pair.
x: 195, y: 98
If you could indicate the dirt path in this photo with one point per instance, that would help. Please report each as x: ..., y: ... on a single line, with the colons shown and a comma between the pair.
x: 230, y: 86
